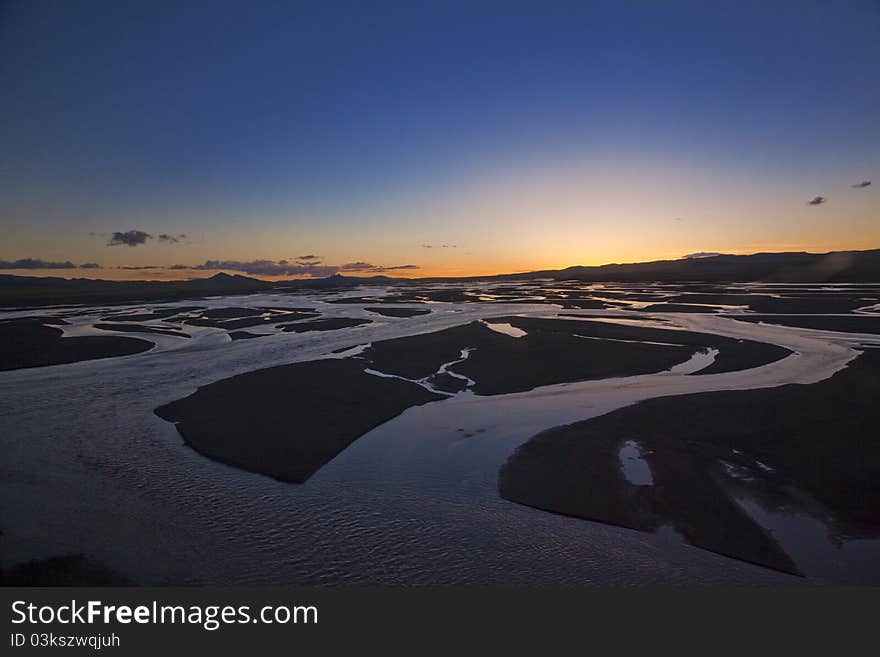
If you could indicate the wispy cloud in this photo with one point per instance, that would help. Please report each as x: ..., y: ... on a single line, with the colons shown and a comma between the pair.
x: 129, y: 238
x: 367, y: 267
x: 861, y: 185
x: 309, y: 260
x: 817, y: 200
x: 439, y: 246
x: 171, y: 239
x: 138, y: 237
x: 311, y: 267
x: 701, y: 254
x: 35, y: 263
x: 397, y: 268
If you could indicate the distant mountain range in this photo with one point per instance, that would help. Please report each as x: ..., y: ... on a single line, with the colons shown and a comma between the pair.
x: 793, y: 267
x: 788, y: 267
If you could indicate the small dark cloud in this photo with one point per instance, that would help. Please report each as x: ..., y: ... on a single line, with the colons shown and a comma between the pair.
x: 861, y: 185
x: 172, y: 239
x: 310, y: 260
x: 356, y: 266
x: 367, y: 267
x: 817, y: 200
x: 180, y: 267
x: 35, y: 263
x: 439, y: 246
x: 138, y: 267
x: 129, y: 238
x: 701, y: 254
x: 90, y: 265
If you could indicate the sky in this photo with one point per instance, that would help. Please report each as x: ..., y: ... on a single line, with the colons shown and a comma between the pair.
x: 282, y: 139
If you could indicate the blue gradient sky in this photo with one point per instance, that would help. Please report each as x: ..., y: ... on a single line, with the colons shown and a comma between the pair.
x: 527, y: 135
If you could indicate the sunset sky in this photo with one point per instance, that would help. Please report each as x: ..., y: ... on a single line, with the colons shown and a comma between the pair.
x: 452, y: 138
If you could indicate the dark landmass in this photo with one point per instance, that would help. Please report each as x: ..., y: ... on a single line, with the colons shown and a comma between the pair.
x: 734, y: 355
x: 65, y: 570
x: 138, y: 328
x: 329, y: 324
x: 33, y: 343
x: 678, y: 308
x: 343, y: 349
x: 336, y: 282
x: 819, y: 439
x: 367, y: 300
x: 814, y: 303
x: 398, y: 312
x: 245, y: 335
x: 796, y: 267
x: 420, y: 356
x: 586, y: 304
x: 230, y: 313
x: 846, y: 324
x: 288, y: 421
x: 40, y: 319
x: 627, y: 295
x: 158, y: 313
x: 553, y: 353
x: 448, y: 383
x: 612, y: 317
x: 238, y: 318
x: 51, y: 291
x: 548, y: 356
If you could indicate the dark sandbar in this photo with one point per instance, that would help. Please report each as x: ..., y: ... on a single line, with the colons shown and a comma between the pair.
x: 329, y: 324
x: 31, y: 343
x: 501, y: 364
x: 845, y: 324
x: 245, y: 335
x: 239, y: 318
x: 733, y: 354
x: 398, y: 312
x: 288, y: 421
x: 157, y: 313
x: 820, y: 439
x: 678, y: 308
x: 137, y: 328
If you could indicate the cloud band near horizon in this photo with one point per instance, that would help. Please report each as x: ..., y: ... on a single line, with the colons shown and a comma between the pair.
x: 309, y: 266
